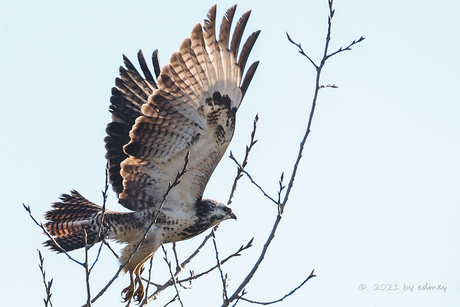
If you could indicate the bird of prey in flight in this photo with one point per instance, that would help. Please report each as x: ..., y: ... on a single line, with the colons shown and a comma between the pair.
x: 186, y: 112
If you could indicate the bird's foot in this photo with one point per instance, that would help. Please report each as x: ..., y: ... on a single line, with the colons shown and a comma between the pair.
x: 139, y: 293
x: 128, y: 293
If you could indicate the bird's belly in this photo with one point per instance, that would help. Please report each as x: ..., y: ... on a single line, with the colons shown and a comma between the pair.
x: 174, y: 233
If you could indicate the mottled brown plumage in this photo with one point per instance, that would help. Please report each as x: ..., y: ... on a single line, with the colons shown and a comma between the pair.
x: 189, y: 107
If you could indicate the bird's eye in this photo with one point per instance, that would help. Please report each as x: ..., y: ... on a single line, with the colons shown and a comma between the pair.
x: 226, y: 209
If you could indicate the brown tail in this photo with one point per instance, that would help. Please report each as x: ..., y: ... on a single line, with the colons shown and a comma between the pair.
x: 69, y: 218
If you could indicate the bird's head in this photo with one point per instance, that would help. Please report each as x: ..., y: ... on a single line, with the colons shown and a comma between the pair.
x: 214, y: 211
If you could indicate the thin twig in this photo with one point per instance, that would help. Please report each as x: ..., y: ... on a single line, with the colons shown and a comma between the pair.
x: 301, y: 51
x: 315, y: 96
x: 171, y: 301
x: 148, y: 280
x: 48, y: 284
x: 87, y: 270
x: 103, y: 211
x: 240, y: 167
x: 59, y: 247
x: 190, y: 282
x: 224, y: 279
x: 285, y: 296
x: 97, y: 255
x: 183, y: 265
x: 245, y: 161
x: 172, y: 274
x: 279, y: 192
x: 193, y: 276
x: 199, y: 248
x: 236, y: 254
x: 329, y: 85
x: 110, y: 248
x: 176, y: 257
x: 348, y: 47
x: 256, y: 266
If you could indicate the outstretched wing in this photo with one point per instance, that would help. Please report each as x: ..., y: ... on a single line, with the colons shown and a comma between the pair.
x: 191, y: 109
x: 131, y: 93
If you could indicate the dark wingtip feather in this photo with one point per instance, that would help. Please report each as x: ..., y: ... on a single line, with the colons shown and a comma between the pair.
x: 156, y: 63
x: 129, y: 65
x: 209, y: 26
x: 211, y: 13
x: 226, y: 25
x: 238, y: 33
x: 144, y: 67
x: 247, y: 49
x: 248, y: 77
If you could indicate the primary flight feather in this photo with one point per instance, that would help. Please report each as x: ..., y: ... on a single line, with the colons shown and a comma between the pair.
x: 188, y: 108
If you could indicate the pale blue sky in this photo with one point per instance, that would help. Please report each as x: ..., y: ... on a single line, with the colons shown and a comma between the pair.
x: 377, y: 196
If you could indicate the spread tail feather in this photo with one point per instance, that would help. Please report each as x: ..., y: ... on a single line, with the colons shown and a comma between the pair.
x: 68, y: 221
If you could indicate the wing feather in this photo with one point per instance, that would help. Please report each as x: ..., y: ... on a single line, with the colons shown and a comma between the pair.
x: 156, y: 63
x: 248, y: 78
x: 199, y: 47
x: 189, y: 109
x: 134, y: 80
x: 226, y: 25
x: 243, y: 58
x: 194, y: 67
x: 231, y: 71
x: 145, y: 69
x: 238, y: 33
x: 131, y: 93
x: 209, y: 36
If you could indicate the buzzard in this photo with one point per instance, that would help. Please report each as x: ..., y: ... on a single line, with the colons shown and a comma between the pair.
x: 186, y: 112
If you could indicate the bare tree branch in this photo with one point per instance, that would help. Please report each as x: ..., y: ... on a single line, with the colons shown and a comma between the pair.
x: 176, y: 257
x: 160, y: 288
x: 27, y: 208
x: 110, y: 248
x: 224, y: 279
x: 245, y: 161
x: 282, y: 205
x: 87, y: 270
x: 99, y: 253
x: 172, y: 274
x: 148, y: 280
x: 190, y: 282
x: 285, y: 296
x: 183, y: 265
x: 281, y: 188
x: 315, y: 97
x: 348, y: 47
x: 301, y: 51
x: 104, y: 202
x: 171, y: 301
x: 329, y: 85
x: 240, y: 167
x: 238, y: 253
x: 47, y: 284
